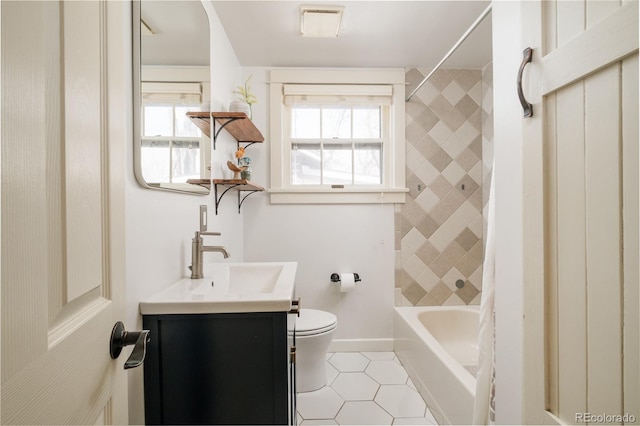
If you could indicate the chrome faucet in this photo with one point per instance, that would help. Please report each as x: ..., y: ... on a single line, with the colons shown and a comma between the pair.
x: 197, y: 248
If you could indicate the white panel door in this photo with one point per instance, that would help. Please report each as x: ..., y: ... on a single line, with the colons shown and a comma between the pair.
x: 64, y: 96
x: 580, y: 172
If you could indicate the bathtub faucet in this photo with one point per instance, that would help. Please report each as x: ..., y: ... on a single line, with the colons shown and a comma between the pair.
x: 197, y: 248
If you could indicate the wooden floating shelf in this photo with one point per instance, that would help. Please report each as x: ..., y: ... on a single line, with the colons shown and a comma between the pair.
x: 238, y: 184
x: 236, y: 123
x: 244, y: 131
x: 202, y: 182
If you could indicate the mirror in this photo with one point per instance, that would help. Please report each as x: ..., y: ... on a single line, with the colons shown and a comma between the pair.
x: 171, y: 78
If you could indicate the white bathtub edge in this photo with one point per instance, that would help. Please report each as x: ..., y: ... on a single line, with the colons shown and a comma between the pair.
x: 432, y: 369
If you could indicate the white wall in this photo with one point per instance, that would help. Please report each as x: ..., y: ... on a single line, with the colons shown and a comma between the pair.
x: 509, y: 304
x: 160, y: 224
x: 324, y: 239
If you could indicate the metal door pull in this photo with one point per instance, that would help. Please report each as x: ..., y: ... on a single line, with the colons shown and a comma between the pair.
x: 527, y: 108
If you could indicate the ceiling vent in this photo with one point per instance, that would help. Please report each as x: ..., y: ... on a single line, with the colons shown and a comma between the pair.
x: 320, y: 21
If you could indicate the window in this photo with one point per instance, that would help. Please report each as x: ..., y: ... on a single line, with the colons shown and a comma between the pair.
x: 171, y: 143
x: 337, y: 143
x: 333, y: 144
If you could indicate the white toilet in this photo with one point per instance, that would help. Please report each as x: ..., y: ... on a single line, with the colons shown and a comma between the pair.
x: 314, y: 331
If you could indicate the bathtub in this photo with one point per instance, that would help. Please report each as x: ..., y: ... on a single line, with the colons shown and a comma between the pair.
x: 438, y: 347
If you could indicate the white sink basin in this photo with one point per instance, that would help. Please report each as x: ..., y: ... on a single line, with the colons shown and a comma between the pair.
x: 228, y: 287
x: 248, y: 279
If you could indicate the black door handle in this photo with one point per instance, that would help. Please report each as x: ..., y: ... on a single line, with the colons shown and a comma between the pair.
x: 121, y: 338
x: 526, y: 106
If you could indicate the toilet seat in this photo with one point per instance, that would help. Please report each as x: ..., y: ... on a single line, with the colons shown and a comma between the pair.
x: 313, y: 321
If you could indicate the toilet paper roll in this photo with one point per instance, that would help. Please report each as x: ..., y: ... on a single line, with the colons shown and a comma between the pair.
x: 347, y: 282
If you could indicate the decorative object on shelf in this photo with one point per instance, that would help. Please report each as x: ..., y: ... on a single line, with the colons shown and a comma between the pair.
x: 240, y: 106
x: 245, y: 163
x: 244, y: 96
x: 237, y: 170
x: 239, y: 153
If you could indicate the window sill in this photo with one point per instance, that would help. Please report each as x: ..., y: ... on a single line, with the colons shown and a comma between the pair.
x: 337, y: 195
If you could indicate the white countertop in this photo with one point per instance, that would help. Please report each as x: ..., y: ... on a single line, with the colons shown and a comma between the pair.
x: 228, y: 287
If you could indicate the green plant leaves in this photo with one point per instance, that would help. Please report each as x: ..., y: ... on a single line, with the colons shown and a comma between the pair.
x: 244, y: 92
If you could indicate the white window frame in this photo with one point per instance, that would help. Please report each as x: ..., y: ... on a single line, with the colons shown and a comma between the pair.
x: 175, y: 79
x: 392, y: 190
x: 173, y: 94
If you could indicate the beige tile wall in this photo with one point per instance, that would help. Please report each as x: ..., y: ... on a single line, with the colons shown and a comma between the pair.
x: 439, y: 230
x: 487, y: 136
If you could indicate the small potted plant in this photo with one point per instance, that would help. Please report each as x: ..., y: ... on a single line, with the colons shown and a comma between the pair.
x: 245, y: 99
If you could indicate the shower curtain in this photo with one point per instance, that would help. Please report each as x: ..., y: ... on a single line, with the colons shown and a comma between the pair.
x: 484, y: 406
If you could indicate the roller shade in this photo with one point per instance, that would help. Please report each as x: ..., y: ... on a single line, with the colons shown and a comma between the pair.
x: 174, y: 93
x: 339, y: 94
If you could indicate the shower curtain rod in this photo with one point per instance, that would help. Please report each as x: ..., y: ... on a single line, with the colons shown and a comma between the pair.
x: 453, y: 49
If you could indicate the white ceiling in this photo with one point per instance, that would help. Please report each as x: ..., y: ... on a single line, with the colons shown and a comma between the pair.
x: 373, y: 34
x: 181, y: 33
x: 397, y: 33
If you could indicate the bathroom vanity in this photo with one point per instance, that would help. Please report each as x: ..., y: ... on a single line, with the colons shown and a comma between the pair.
x: 220, y: 354
x: 230, y: 368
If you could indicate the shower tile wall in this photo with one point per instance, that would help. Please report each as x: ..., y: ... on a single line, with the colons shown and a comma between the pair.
x: 487, y: 138
x: 439, y: 230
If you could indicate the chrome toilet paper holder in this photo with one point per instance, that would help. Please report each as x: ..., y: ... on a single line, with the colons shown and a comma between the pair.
x: 335, y: 278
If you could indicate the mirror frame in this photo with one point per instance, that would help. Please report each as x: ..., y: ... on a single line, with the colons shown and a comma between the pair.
x: 192, y: 189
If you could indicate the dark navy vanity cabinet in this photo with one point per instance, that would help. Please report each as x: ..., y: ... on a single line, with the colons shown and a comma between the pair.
x: 223, y: 368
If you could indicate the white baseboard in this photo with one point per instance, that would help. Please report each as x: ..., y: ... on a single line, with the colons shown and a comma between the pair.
x: 361, y: 345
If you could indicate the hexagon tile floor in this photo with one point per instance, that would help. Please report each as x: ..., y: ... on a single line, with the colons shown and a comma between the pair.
x: 364, y: 388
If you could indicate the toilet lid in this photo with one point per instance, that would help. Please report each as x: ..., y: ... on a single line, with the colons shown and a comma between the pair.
x: 313, y: 321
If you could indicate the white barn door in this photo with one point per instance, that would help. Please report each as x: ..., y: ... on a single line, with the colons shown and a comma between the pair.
x: 581, y: 212
x: 64, y: 103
